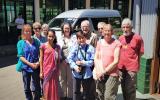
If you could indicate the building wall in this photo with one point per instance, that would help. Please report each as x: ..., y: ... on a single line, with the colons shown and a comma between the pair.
x: 48, y: 9
x: 145, y: 21
x: 145, y: 24
x: 149, y: 25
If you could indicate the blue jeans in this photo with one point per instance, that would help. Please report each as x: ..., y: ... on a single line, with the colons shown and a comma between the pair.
x: 36, y: 82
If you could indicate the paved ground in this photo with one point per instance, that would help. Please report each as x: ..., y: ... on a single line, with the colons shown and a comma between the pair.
x: 11, y: 86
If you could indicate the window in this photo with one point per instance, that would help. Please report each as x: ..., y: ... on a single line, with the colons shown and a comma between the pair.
x: 95, y: 21
x: 77, y: 4
x: 101, y: 4
x: 30, y: 18
x: 50, y: 8
x: 115, y: 22
x: 77, y: 26
x: 58, y: 22
x: 2, y: 16
x: 122, y: 6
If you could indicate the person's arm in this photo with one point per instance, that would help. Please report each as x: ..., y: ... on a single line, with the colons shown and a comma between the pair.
x: 71, y: 60
x: 41, y: 63
x: 97, y: 53
x: 32, y: 65
x: 58, y: 50
x: 89, y: 61
x: 111, y: 66
x: 20, y: 54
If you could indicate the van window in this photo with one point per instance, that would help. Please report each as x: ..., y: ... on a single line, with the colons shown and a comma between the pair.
x: 115, y: 22
x: 77, y: 25
x: 95, y: 21
x: 57, y: 22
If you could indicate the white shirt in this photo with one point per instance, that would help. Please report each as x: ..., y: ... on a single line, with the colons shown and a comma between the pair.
x: 19, y: 22
x: 69, y: 42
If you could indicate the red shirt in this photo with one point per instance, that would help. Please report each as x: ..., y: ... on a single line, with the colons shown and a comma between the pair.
x: 132, y: 47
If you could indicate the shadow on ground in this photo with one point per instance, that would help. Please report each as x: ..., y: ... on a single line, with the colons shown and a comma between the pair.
x: 146, y: 99
x: 7, y: 60
x: 120, y: 97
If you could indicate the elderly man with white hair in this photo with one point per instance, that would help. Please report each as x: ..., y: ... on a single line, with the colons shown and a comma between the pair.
x: 100, y: 26
x: 131, y: 51
x: 45, y: 29
x: 91, y: 37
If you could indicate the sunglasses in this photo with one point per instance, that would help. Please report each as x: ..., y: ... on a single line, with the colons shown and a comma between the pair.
x: 37, y: 28
x: 125, y: 27
x: 100, y: 28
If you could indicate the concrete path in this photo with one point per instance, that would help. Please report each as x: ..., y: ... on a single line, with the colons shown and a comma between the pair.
x: 11, y: 86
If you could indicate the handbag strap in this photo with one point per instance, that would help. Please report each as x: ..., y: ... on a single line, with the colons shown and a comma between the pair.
x: 79, y: 49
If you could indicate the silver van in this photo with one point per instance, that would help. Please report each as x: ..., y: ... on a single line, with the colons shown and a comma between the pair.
x: 75, y: 17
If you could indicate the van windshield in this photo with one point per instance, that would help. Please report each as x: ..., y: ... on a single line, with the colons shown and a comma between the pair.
x: 56, y: 22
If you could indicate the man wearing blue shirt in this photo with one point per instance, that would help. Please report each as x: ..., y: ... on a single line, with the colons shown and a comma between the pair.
x: 81, y: 60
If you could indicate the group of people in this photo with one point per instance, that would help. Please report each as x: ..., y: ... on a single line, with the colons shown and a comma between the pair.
x: 80, y: 66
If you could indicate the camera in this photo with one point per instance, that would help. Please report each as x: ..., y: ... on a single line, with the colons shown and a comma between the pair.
x: 82, y: 70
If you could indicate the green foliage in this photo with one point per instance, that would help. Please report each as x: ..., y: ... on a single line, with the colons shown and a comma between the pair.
x: 118, y: 32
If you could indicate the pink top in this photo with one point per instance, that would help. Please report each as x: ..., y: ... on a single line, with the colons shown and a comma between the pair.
x: 132, y: 47
x: 107, y: 53
x: 50, y: 71
x: 48, y: 59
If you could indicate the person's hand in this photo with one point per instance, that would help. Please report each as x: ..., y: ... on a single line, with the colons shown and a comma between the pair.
x: 79, y: 62
x: 41, y: 75
x: 33, y: 65
x: 132, y: 74
x: 37, y: 65
x: 99, y: 76
x: 78, y: 69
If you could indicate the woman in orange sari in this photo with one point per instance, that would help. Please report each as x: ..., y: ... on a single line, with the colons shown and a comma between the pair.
x: 49, y: 58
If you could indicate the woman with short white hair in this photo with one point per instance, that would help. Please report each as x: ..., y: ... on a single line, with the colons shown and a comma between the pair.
x: 45, y: 29
x: 37, y: 29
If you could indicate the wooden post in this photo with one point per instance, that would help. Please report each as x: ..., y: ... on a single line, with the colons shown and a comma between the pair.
x: 155, y: 70
x: 87, y: 4
x: 154, y: 75
x: 66, y: 5
x: 37, y: 10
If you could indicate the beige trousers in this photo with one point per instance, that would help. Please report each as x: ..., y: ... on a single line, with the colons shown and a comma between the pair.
x: 107, y: 88
x: 65, y: 80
